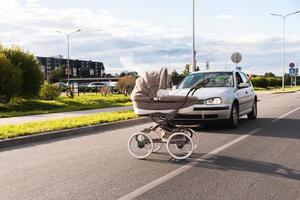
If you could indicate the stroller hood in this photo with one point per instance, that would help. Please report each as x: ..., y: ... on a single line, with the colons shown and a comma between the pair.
x: 146, y: 86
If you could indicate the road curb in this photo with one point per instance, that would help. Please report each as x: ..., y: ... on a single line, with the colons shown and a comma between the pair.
x: 285, y: 92
x: 12, y: 142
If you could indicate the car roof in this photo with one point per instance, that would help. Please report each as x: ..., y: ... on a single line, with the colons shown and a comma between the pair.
x: 224, y: 70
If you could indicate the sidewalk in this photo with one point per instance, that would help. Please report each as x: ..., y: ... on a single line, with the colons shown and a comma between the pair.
x: 51, y: 116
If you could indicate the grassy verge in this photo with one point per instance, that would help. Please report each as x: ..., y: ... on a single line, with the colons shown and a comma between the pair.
x: 11, y: 131
x: 278, y: 89
x: 63, y: 104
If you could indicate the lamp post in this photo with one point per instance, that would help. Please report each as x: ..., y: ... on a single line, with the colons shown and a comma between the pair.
x: 283, y: 41
x: 169, y: 54
x: 68, y: 58
x: 194, y: 49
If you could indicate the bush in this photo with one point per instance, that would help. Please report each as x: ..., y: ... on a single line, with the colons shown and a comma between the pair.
x: 273, y: 82
x: 260, y: 82
x: 126, y: 84
x: 106, y: 90
x: 49, y: 91
x: 10, y: 79
x: 32, y: 77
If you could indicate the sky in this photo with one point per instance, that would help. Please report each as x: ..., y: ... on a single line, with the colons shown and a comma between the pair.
x: 131, y: 35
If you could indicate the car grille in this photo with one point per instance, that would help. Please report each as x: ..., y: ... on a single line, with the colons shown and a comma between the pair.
x: 187, y: 117
x: 201, y: 101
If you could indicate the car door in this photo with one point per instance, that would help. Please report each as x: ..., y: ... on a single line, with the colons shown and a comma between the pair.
x: 249, y: 93
x: 240, y: 94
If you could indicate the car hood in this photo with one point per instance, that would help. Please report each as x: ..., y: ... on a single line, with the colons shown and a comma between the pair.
x: 204, y: 93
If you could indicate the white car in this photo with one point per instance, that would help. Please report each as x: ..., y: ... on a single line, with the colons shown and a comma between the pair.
x: 96, y: 85
x: 227, y: 96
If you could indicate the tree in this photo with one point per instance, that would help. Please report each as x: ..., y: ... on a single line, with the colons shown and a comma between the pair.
x: 176, y: 78
x: 85, y: 72
x: 186, y: 70
x: 10, y: 79
x: 57, y: 74
x: 126, y: 84
x: 128, y: 73
x: 269, y: 74
x: 32, y: 76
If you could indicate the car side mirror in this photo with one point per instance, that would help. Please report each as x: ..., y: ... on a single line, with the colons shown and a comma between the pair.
x: 243, y: 85
x: 174, y: 87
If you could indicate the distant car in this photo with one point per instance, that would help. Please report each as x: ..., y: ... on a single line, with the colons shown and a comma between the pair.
x: 96, y: 85
x: 227, y: 96
x: 63, y: 86
x: 83, y: 84
x: 113, y: 86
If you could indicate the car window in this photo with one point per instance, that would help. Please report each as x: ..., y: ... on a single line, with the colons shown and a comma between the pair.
x: 244, y: 77
x: 238, y: 78
x: 216, y: 79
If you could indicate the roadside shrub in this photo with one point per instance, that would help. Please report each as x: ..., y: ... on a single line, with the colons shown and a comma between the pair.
x: 49, y: 91
x: 273, y: 82
x: 10, y: 79
x: 32, y: 77
x: 106, y: 90
x: 126, y: 84
x: 260, y: 82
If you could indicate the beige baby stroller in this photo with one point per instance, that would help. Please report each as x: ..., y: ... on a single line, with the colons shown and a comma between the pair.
x: 151, y: 97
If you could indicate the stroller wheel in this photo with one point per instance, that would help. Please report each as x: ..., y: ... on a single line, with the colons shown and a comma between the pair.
x: 140, y: 145
x: 157, y: 142
x: 194, y: 137
x: 180, y: 145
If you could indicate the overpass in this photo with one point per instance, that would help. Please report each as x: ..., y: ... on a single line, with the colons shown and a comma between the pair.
x: 87, y: 80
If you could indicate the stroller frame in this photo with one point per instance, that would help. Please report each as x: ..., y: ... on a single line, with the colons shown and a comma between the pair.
x: 181, y: 140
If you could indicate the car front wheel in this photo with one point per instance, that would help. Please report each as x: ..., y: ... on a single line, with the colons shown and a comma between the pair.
x: 234, y: 117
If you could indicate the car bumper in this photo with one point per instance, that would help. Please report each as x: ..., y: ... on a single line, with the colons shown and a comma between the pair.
x: 205, y: 113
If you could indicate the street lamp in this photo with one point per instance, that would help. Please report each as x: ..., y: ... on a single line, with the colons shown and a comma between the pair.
x: 68, y: 58
x: 283, y: 41
x: 194, y: 49
x: 169, y: 54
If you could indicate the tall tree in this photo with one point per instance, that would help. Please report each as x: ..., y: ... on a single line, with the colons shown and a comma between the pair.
x: 32, y: 76
x: 186, y: 70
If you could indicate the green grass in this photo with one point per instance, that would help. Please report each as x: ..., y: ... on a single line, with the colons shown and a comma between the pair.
x: 63, y: 104
x: 11, y: 131
x: 278, y: 89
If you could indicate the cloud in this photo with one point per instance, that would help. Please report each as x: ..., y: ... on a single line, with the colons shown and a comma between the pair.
x: 225, y: 16
x: 131, y: 44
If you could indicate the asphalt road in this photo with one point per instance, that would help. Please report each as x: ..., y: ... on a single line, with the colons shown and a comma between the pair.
x: 258, y: 160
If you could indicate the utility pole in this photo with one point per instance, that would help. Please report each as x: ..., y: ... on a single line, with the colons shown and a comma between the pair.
x: 283, y: 41
x: 194, y: 62
x: 68, y: 58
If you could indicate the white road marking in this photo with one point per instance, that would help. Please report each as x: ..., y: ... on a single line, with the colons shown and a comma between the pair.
x: 134, y: 194
x: 286, y: 114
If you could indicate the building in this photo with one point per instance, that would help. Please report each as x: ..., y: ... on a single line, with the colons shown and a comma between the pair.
x: 80, y: 69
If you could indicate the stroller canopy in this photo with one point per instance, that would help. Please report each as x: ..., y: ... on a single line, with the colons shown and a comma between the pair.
x: 146, y: 89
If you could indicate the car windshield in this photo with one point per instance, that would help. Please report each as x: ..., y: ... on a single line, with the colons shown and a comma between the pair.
x: 216, y: 79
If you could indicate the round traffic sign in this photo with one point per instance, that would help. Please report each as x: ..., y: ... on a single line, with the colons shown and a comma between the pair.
x: 236, y: 57
x: 292, y: 65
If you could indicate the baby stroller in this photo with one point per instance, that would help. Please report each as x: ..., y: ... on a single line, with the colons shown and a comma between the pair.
x: 151, y: 97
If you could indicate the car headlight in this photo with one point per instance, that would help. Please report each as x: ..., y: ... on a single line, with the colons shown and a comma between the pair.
x: 213, y: 101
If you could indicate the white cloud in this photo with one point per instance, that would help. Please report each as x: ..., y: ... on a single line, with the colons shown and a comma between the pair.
x: 225, y: 16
